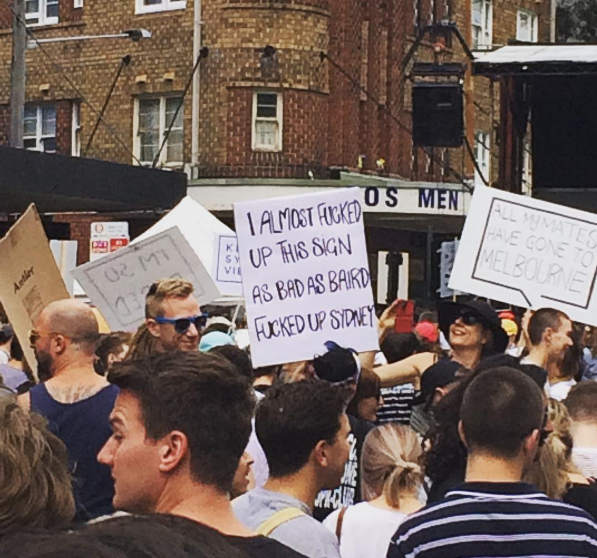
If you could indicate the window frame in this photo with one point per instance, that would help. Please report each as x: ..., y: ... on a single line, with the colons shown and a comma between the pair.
x: 39, y: 135
x: 162, y: 129
x: 42, y: 18
x: 486, y: 26
x: 533, y: 20
x: 75, y: 129
x: 164, y: 6
x: 279, y: 119
x: 483, y: 156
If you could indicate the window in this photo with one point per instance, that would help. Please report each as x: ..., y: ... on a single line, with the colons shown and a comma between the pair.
x: 482, y: 155
x: 527, y: 170
x: 78, y: 4
x: 482, y: 21
x: 41, y: 12
x: 526, y: 26
x: 267, y: 121
x: 39, y: 132
x: 76, y: 130
x: 153, y: 119
x: 148, y: 6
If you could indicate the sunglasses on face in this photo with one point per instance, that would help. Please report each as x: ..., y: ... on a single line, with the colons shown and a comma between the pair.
x: 469, y: 318
x: 182, y: 325
x: 35, y: 336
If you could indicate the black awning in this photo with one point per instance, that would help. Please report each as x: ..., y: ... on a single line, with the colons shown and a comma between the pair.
x: 59, y: 184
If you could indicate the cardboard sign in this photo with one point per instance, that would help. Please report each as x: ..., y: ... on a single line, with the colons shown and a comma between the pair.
x: 306, y: 275
x: 529, y: 253
x: 29, y: 277
x: 117, y: 283
x: 226, y: 261
x: 65, y: 254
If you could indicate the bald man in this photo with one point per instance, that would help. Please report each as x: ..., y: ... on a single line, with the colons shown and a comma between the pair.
x: 75, y: 400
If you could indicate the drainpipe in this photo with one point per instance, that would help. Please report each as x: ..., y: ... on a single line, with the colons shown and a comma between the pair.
x: 197, y: 39
x: 552, y: 21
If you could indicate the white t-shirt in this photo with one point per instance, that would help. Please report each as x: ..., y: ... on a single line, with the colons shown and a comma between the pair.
x: 559, y: 391
x: 366, y: 530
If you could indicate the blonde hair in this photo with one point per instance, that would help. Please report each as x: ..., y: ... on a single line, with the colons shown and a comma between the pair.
x: 165, y: 288
x: 390, y: 463
x: 35, y: 482
x: 142, y: 344
x: 550, y: 472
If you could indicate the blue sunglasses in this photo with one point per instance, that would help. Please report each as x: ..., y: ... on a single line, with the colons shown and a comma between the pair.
x: 182, y: 325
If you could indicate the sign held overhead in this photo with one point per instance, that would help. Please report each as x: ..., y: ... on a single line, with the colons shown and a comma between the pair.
x: 305, y: 275
x: 529, y: 253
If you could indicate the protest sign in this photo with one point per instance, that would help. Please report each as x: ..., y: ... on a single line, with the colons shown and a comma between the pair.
x: 305, y: 275
x: 107, y: 237
x: 226, y: 261
x: 118, y: 282
x: 529, y: 253
x: 201, y: 230
x: 65, y: 254
x: 447, y: 256
x: 29, y: 277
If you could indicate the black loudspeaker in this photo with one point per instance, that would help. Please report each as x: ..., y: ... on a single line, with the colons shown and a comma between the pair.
x: 437, y: 114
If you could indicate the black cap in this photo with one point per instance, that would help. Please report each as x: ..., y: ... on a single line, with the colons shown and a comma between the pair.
x: 337, y: 365
x: 438, y: 375
x: 449, y: 312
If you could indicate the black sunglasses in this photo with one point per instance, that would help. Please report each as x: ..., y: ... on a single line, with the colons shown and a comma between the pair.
x: 470, y: 318
x: 182, y: 325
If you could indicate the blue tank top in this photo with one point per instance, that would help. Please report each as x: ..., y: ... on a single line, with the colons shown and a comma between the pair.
x: 84, y: 428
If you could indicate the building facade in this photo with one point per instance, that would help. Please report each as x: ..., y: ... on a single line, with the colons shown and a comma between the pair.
x: 292, y: 93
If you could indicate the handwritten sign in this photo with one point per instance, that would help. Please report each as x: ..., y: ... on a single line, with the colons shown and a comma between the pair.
x: 529, y: 253
x: 226, y: 260
x: 29, y: 277
x: 305, y: 275
x: 118, y: 283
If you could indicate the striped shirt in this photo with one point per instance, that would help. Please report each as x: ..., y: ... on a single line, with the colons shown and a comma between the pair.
x: 397, y: 404
x: 496, y: 520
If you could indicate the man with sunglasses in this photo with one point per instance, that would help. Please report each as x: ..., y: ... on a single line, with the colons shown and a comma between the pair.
x: 173, y: 315
x: 75, y: 400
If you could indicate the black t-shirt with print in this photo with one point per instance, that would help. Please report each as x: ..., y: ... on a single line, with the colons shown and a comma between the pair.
x: 349, y: 491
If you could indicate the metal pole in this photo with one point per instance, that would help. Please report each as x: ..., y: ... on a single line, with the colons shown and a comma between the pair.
x: 429, y: 270
x: 18, y: 75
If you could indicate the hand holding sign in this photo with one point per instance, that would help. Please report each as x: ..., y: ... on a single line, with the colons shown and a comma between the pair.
x: 529, y: 253
x: 305, y: 275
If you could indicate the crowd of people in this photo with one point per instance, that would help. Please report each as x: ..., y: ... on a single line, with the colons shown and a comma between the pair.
x: 473, y: 433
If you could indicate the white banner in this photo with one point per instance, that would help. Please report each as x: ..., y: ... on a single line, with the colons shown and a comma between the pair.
x: 226, y: 263
x: 118, y: 282
x: 306, y: 276
x: 530, y: 253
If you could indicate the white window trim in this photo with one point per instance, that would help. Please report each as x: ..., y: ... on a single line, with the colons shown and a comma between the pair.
x: 43, y: 20
x: 78, y: 4
x: 277, y: 148
x: 165, y: 6
x: 162, y: 163
x: 486, y: 32
x: 535, y: 25
x: 39, y: 135
x: 76, y: 129
x: 483, y: 156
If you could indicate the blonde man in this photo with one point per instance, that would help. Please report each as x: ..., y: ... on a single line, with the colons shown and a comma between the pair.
x: 173, y: 315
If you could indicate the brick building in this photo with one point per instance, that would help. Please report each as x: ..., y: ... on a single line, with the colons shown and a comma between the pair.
x: 266, y: 113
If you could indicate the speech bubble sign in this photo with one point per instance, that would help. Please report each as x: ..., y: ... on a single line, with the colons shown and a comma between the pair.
x: 530, y: 253
x: 305, y: 275
x: 118, y: 282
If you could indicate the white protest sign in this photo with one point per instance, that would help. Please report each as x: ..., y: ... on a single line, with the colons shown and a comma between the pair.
x: 305, y: 275
x: 118, y: 282
x: 226, y: 262
x: 201, y: 230
x: 529, y: 253
x: 447, y: 256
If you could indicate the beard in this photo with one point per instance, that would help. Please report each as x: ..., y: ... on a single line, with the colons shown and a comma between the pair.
x: 44, y: 366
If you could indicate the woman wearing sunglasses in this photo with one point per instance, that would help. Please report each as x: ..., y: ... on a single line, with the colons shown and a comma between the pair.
x: 473, y: 330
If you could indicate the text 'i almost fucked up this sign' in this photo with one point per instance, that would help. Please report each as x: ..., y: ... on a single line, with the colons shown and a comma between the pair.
x: 529, y: 253
x: 305, y: 275
x: 118, y: 283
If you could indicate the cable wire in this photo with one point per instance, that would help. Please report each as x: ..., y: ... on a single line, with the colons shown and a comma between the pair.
x: 445, y: 166
x: 72, y: 84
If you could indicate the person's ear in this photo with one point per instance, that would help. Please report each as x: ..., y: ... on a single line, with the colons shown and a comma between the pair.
x: 461, y: 434
x: 59, y: 344
x: 439, y: 394
x: 548, y: 335
x: 153, y: 327
x: 530, y: 445
x: 172, y: 448
x: 320, y: 453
